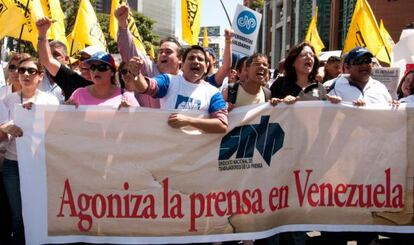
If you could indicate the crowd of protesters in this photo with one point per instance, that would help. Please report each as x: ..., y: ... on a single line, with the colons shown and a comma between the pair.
x: 180, y: 79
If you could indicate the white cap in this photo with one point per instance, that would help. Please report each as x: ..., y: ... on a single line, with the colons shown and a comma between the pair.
x: 91, y: 50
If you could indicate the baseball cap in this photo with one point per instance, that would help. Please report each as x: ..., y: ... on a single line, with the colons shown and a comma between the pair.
x: 356, y: 53
x: 102, y: 57
x: 91, y: 50
x: 408, y: 68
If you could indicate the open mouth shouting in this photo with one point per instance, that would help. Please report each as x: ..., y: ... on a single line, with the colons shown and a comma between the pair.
x: 308, y: 64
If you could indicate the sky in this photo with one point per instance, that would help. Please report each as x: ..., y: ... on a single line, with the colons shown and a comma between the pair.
x: 212, y: 13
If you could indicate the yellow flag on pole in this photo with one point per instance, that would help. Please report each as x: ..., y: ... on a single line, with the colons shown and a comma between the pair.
x: 190, y: 20
x: 205, y: 38
x: 312, y: 35
x: 86, y: 30
x: 363, y: 31
x: 389, y: 43
x: 152, y: 52
x: 113, y: 26
x: 52, y: 9
x: 18, y: 19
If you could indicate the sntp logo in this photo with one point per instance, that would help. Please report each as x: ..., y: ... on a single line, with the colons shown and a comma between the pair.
x: 246, y: 22
x: 266, y: 137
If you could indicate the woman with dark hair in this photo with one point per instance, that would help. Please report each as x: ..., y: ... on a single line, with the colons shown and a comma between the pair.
x: 30, y: 73
x: 103, y: 91
x: 299, y: 83
x: 12, y: 84
x: 125, y: 78
x: 406, y: 85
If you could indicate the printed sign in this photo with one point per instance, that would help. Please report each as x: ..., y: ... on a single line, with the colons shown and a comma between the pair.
x: 389, y: 77
x: 246, y: 25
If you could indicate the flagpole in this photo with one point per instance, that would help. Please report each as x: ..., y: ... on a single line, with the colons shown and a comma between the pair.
x: 71, y: 47
x: 21, y: 29
x: 225, y: 11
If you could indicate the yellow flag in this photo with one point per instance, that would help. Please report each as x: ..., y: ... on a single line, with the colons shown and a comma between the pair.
x: 113, y: 26
x: 17, y: 21
x: 52, y: 9
x: 363, y: 31
x: 205, y: 38
x: 86, y: 30
x: 389, y: 43
x: 152, y: 52
x: 312, y: 35
x: 190, y: 20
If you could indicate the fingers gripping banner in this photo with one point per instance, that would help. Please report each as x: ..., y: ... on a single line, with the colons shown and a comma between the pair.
x: 98, y: 175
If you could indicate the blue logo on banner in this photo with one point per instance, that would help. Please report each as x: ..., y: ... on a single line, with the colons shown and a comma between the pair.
x: 246, y: 22
x: 266, y: 137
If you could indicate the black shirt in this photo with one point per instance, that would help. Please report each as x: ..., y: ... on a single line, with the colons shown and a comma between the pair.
x: 68, y: 80
x: 282, y: 88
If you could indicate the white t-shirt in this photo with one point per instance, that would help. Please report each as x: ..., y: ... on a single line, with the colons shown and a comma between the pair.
x: 374, y: 91
x: 4, y: 91
x: 177, y: 93
x: 40, y: 98
x: 409, y: 99
x: 54, y: 89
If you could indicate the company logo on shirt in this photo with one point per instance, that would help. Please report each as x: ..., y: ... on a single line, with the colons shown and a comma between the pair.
x: 267, y: 138
x: 187, y: 103
x: 246, y: 22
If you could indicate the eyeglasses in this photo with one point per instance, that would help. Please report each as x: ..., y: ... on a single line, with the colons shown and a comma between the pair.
x: 99, y: 67
x: 124, y: 71
x: 30, y: 70
x: 363, y: 60
x: 12, y: 67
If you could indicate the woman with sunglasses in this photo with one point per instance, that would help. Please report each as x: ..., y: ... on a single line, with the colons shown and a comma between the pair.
x: 126, y: 79
x: 13, y: 84
x: 103, y: 91
x: 30, y: 74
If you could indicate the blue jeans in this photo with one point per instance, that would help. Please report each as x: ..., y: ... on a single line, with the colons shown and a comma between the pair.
x: 11, y: 182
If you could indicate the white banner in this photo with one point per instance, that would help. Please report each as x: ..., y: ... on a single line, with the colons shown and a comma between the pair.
x: 95, y: 174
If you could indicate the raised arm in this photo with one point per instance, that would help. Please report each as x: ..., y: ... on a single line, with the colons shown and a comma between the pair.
x: 125, y: 42
x: 225, y: 68
x: 45, y: 54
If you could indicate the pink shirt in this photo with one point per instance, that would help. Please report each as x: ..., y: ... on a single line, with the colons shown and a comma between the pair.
x: 82, y: 97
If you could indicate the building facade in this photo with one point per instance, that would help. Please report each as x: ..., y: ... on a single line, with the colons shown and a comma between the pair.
x: 285, y: 22
x: 160, y: 11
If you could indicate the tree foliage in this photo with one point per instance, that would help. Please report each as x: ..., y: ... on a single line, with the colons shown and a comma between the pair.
x: 257, y: 4
x: 144, y: 24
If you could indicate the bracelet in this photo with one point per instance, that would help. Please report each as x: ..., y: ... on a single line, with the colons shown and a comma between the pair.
x: 41, y: 39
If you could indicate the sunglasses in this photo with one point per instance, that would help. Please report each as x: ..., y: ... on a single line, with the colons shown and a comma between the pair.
x: 362, y: 61
x: 12, y: 67
x: 124, y: 71
x: 99, y: 67
x: 30, y: 70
